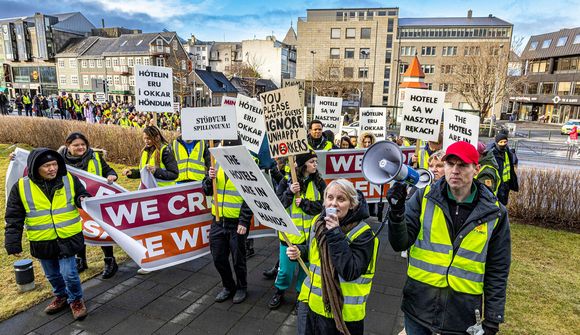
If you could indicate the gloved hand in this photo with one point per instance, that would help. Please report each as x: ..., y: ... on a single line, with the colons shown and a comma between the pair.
x: 489, y: 327
x: 396, y: 196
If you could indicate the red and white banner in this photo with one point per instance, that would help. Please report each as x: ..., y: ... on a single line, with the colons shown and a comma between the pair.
x: 335, y: 164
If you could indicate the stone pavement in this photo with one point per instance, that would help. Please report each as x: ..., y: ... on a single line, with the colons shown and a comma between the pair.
x: 180, y: 300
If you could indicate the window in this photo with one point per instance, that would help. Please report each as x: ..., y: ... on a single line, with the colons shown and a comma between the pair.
x: 130, y: 62
x: 61, y: 63
x: 132, y: 80
x: 226, y: 68
x: 364, y: 53
x: 428, y: 68
x: 386, y: 84
x: 160, y: 61
x: 99, y: 63
x: 124, y: 80
x: 533, y: 45
x: 562, y: 41
x: 546, y: 43
x: 403, y: 68
x: 564, y: 88
x: 471, y: 51
x: 576, y: 88
x: 349, y: 53
x: 387, y: 75
x: 62, y: 79
x: 429, y: 86
x: 428, y: 51
x: 72, y: 63
x: 446, y: 69
x: 335, y: 33
x: 547, y: 88
x: 449, y: 51
x: 74, y: 79
x: 382, y: 13
x: 86, y: 80
x: 350, y: 32
x: 159, y: 43
x: 385, y: 100
x: 389, y: 41
x: 363, y: 72
x: 390, y: 25
x: 116, y: 80
x: 408, y: 51
x: 138, y: 61
x: 365, y: 33
x: 334, y: 53
x: 115, y: 61
x: 539, y: 66
x: 174, y: 45
x: 108, y: 63
x: 92, y: 63
x: 388, y: 56
x: 348, y: 72
x: 577, y: 39
x: 146, y: 61
x: 445, y: 87
x: 226, y: 59
x: 109, y: 79
x: 84, y: 64
x: 334, y: 72
x: 122, y: 61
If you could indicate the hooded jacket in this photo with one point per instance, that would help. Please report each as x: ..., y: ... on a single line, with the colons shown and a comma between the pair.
x: 16, y: 213
x: 512, y: 184
x: 442, y: 309
x: 83, y: 162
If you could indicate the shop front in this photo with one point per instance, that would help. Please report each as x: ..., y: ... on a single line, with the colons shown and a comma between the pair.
x: 544, y: 108
x: 34, y: 80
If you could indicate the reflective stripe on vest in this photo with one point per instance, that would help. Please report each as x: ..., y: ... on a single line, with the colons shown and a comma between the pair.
x: 327, y: 146
x: 145, y: 158
x: 229, y: 199
x: 506, y: 169
x: 95, y: 166
x: 431, y: 258
x: 495, y: 172
x: 45, y: 220
x: 355, y: 292
x: 192, y: 166
x: 423, y: 162
x: 302, y: 220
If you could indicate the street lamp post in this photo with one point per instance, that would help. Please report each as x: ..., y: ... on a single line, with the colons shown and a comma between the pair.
x: 491, y: 123
x: 312, y: 84
x: 362, y: 89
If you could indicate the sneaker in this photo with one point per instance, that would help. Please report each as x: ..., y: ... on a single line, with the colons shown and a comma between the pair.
x: 223, y: 295
x: 271, y: 273
x: 110, y: 268
x: 56, y: 305
x: 240, y: 296
x: 143, y: 272
x: 276, y: 300
x: 79, y: 310
x: 81, y: 264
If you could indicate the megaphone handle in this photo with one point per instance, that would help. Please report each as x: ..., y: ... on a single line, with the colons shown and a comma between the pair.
x: 300, y: 261
x: 293, y: 171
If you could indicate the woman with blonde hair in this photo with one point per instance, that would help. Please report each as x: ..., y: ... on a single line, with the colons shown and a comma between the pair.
x: 366, y: 139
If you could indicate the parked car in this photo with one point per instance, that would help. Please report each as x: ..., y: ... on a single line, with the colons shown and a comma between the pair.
x: 567, y: 127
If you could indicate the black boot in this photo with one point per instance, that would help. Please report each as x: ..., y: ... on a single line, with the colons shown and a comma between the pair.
x: 110, y: 268
x: 271, y: 273
x: 81, y: 264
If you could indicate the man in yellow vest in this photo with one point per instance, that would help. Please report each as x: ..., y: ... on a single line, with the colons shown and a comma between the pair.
x: 316, y: 140
x: 459, y: 244
x: 192, y: 158
x: 426, y: 152
x: 27, y: 104
x: 46, y: 202
x: 507, y: 163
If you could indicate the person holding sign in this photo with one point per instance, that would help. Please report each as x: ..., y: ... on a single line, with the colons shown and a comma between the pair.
x: 423, y: 160
x: 460, y: 249
x: 342, y: 251
x: 228, y: 235
x: 303, y: 201
x: 157, y: 157
x: 46, y: 202
x: 488, y: 173
x: 192, y: 158
x: 316, y: 140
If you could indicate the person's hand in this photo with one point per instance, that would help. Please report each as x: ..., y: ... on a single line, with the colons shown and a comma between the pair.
x: 151, y: 168
x: 293, y: 253
x: 17, y: 255
x: 211, y: 173
x: 331, y: 221
x: 295, y: 187
x: 12, y: 156
x: 81, y: 199
x: 298, y: 201
x: 242, y: 230
x: 414, y: 159
x: 111, y: 179
x: 397, y: 196
x: 126, y: 172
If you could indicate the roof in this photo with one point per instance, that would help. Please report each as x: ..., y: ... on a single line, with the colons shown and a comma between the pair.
x: 245, y: 85
x: 553, y: 50
x: 453, y: 21
x: 290, y: 38
x: 127, y: 44
x: 414, y: 76
x: 98, y: 48
x: 77, y: 46
x: 216, y: 81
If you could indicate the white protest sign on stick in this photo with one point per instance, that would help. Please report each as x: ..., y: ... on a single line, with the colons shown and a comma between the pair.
x: 374, y: 120
x: 328, y: 110
x: 422, y: 110
x: 251, y: 123
x: 460, y: 126
x: 284, y: 122
x: 228, y: 101
x: 153, y: 88
x: 209, y: 123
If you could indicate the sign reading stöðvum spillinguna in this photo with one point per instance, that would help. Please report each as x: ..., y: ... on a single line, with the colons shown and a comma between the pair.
x: 153, y: 88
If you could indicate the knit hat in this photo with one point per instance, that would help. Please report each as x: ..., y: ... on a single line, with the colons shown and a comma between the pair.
x: 500, y: 136
x: 303, y: 158
x: 45, y: 158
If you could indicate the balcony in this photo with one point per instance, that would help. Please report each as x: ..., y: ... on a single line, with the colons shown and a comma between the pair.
x: 156, y: 50
x: 121, y: 69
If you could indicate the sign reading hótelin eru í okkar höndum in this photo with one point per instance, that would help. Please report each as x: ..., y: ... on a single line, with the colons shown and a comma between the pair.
x: 153, y: 88
x: 422, y: 110
x: 374, y: 120
x: 251, y: 124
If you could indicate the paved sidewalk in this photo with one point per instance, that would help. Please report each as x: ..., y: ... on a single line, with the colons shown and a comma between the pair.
x: 180, y: 300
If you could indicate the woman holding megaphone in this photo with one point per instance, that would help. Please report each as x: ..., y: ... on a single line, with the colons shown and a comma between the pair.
x: 342, y: 253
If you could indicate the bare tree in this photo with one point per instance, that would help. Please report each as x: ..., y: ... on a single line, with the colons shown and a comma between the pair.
x: 330, y: 80
x: 249, y: 72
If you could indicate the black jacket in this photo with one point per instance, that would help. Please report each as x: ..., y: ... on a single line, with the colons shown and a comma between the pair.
x: 512, y: 185
x: 308, y: 206
x: 230, y: 223
x: 83, y: 162
x: 442, y: 309
x: 15, y: 214
x: 171, y: 171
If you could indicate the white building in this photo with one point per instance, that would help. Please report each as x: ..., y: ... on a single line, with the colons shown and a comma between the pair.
x: 272, y: 59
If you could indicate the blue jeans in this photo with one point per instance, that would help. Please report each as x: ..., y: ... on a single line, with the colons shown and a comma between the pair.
x: 63, y: 277
x: 414, y: 328
x: 286, y: 272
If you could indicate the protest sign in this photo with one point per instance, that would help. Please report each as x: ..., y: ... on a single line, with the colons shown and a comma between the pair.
x: 422, y: 110
x: 301, y: 83
x: 374, y: 120
x: 101, y: 97
x: 176, y: 107
x: 253, y: 187
x: 284, y: 122
x: 209, y: 123
x: 328, y: 110
x: 153, y: 88
x: 251, y: 123
x: 16, y: 170
x: 460, y: 126
x: 228, y: 101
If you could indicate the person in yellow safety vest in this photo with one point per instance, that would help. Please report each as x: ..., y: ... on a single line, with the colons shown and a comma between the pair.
x: 227, y: 237
x: 157, y: 157
x: 78, y: 153
x: 422, y: 161
x: 78, y: 109
x: 193, y: 159
x: 460, y: 249
x: 316, y: 140
x: 303, y: 201
x: 342, y: 252
x: 27, y: 102
x: 45, y: 203
x: 488, y: 173
x: 507, y: 162
x: 124, y: 121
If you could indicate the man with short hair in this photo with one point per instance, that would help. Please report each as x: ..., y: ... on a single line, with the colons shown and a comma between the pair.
x: 46, y: 203
x: 27, y: 102
x: 317, y: 140
x: 459, y: 244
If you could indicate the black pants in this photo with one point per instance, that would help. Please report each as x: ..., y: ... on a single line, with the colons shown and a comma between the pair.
x: 107, y: 252
x: 222, y: 243
x: 28, y: 110
x: 318, y: 324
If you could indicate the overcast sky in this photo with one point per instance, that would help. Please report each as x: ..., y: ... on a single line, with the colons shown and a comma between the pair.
x: 226, y: 20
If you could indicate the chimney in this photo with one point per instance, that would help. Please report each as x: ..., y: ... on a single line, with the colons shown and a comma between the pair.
x: 469, y: 14
x: 208, y: 68
x: 103, y: 23
x: 490, y: 16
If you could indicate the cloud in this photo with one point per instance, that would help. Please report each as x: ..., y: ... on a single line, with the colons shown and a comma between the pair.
x: 158, y: 10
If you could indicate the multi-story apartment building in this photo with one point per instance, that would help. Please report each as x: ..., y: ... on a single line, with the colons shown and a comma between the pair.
x: 443, y: 44
x: 28, y: 49
x: 270, y: 58
x: 225, y: 57
x: 348, y: 52
x: 114, y: 59
x: 550, y: 89
x: 199, y: 52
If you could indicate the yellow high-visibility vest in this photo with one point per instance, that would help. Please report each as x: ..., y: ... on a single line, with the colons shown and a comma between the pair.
x: 302, y: 220
x: 145, y: 159
x: 192, y: 166
x: 229, y: 199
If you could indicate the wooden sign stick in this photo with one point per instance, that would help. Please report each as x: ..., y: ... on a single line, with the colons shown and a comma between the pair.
x: 214, y: 186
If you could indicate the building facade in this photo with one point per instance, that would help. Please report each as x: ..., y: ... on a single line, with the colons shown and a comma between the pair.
x: 270, y: 58
x: 550, y: 90
x: 199, y: 52
x: 29, y: 46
